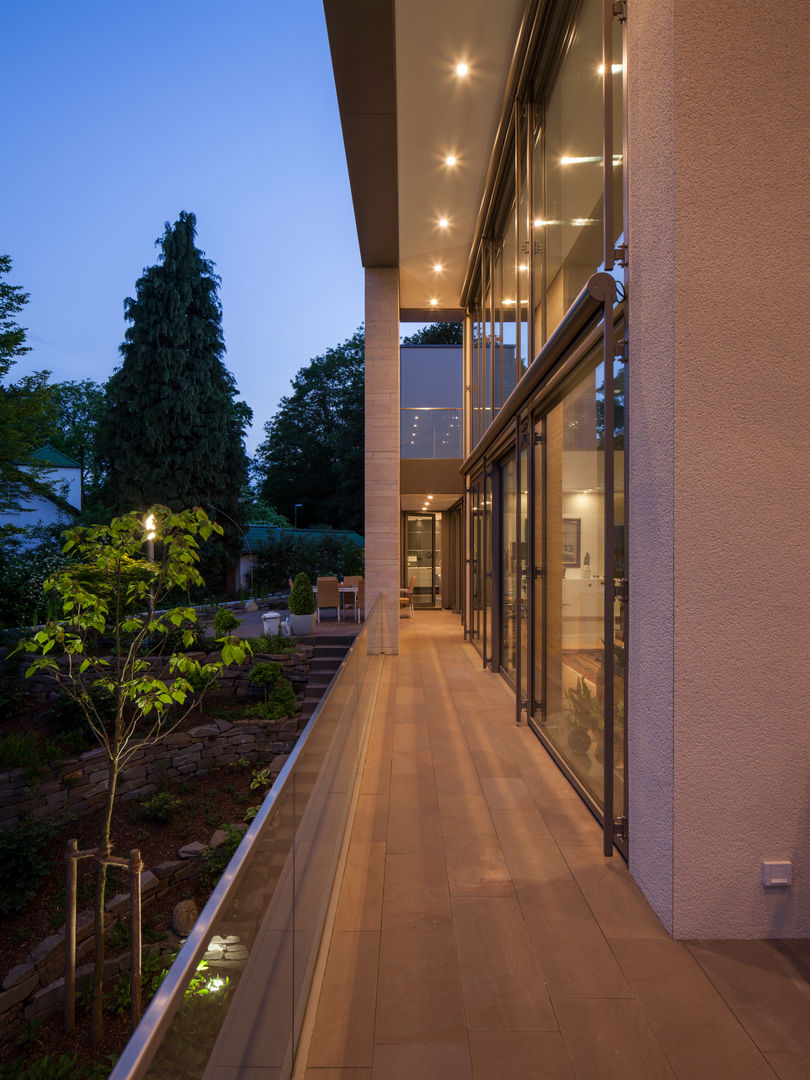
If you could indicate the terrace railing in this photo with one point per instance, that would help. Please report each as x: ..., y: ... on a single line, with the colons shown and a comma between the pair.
x: 235, y: 997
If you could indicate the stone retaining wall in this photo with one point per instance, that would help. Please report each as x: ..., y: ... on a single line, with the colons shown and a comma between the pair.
x: 79, y: 785
x: 34, y: 989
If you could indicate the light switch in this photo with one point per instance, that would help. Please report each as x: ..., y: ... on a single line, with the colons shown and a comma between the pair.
x: 777, y: 873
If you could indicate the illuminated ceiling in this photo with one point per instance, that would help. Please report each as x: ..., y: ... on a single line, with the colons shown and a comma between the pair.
x: 404, y: 109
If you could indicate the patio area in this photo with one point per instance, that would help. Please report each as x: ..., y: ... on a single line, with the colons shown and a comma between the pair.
x: 480, y: 933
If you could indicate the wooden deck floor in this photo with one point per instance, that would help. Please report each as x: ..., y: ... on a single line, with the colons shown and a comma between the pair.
x: 480, y: 932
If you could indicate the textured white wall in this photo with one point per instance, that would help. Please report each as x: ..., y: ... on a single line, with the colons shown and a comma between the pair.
x: 732, y: 609
x: 651, y: 238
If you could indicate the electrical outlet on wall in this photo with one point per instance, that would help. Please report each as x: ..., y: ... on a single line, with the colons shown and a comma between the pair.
x: 777, y: 873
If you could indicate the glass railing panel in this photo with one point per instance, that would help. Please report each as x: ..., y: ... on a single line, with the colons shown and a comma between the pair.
x: 430, y: 433
x: 235, y: 998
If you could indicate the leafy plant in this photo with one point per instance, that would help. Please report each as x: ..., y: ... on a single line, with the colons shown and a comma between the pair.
x: 105, y: 591
x: 160, y: 808
x: 260, y: 778
x: 216, y: 859
x: 225, y: 622
x: 25, y: 862
x: 265, y: 674
x: 587, y: 710
x: 302, y: 598
x: 20, y: 751
x: 281, y: 702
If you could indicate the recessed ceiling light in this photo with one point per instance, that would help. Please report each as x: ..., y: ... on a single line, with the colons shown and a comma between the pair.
x: 438, y: 267
x: 451, y: 159
x: 433, y: 301
x: 462, y: 69
x: 523, y: 267
x: 443, y: 222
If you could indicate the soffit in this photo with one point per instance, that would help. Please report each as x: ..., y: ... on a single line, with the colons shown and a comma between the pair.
x: 403, y: 109
x: 440, y: 113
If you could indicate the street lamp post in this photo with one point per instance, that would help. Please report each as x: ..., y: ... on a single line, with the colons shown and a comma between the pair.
x: 151, y: 525
x: 296, y: 508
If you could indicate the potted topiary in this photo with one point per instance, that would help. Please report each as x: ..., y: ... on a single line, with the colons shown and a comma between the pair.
x: 302, y: 606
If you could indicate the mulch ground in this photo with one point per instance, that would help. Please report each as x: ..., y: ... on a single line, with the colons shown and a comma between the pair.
x: 207, y: 801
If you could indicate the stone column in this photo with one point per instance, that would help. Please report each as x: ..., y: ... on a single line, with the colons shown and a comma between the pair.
x: 382, y: 454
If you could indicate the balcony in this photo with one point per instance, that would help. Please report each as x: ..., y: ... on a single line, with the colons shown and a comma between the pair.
x: 476, y: 931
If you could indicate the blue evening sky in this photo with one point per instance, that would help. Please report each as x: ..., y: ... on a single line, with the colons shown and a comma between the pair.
x: 117, y: 117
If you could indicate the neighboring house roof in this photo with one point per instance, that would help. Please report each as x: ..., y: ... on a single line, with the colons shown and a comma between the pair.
x: 258, y: 534
x: 54, y: 457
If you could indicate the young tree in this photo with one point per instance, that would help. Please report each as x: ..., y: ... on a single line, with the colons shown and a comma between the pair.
x: 26, y: 411
x: 150, y: 689
x: 172, y: 431
x: 313, y: 452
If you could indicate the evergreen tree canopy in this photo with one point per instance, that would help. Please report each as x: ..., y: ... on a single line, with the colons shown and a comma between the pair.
x: 172, y: 431
x: 313, y: 453
x: 26, y: 408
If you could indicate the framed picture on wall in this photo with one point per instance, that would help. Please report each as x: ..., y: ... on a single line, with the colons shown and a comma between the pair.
x: 572, y: 532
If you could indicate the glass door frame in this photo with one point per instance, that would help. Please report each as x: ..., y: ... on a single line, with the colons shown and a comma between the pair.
x: 406, y: 574
x: 614, y: 825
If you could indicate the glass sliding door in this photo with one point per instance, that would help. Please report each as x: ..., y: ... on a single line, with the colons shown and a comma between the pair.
x: 509, y: 566
x: 571, y: 612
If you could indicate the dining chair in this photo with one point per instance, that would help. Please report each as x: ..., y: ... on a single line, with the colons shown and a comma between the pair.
x: 327, y: 595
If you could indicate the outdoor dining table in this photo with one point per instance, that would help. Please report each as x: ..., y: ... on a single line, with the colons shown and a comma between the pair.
x: 344, y: 590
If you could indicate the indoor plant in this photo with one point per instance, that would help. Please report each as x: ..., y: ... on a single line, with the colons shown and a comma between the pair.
x: 302, y: 606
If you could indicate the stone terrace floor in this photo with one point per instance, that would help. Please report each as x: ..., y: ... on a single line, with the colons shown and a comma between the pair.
x: 480, y: 932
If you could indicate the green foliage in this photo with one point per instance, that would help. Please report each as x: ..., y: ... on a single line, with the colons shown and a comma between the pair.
x: 302, y: 598
x: 26, y: 408
x: 313, y: 452
x: 26, y: 561
x: 450, y: 333
x: 216, y: 859
x: 57, y: 1067
x: 68, y: 715
x: 160, y: 808
x: 225, y: 622
x: 319, y: 555
x: 587, y: 709
x: 172, y: 431
x: 260, y: 778
x: 25, y: 861
x: 281, y: 702
x: 265, y: 675
x: 20, y: 751
x: 79, y: 408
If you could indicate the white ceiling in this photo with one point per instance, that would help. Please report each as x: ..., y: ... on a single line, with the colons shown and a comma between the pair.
x: 415, y: 504
x: 439, y: 113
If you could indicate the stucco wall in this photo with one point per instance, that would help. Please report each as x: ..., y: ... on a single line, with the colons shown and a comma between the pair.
x: 731, y: 349
x: 651, y: 238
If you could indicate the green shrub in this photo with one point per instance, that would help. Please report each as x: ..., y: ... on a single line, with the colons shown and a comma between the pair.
x: 216, y: 859
x: 20, y: 751
x: 160, y: 808
x: 272, y: 643
x: 25, y: 862
x: 318, y: 556
x: 68, y: 716
x: 266, y: 675
x: 302, y: 598
x: 225, y: 622
x: 281, y: 702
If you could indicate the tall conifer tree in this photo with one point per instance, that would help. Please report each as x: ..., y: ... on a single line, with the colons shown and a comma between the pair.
x: 172, y: 432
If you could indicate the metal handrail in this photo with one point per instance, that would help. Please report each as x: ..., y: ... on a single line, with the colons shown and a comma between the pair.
x: 145, y: 1040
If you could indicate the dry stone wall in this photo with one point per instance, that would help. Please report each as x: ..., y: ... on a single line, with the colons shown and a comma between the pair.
x: 79, y: 785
